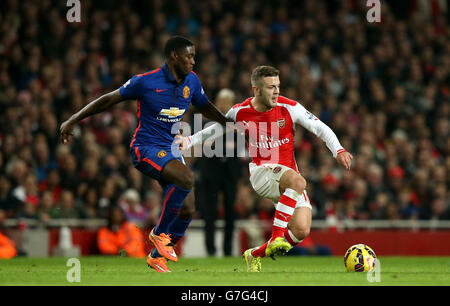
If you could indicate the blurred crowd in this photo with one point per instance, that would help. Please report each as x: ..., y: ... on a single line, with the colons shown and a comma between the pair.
x: 382, y: 87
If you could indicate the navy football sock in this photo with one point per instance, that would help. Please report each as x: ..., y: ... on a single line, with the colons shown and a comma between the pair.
x: 173, y: 200
x: 155, y: 253
x: 177, y: 229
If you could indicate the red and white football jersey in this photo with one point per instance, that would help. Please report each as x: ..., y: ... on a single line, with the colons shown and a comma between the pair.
x: 272, y: 132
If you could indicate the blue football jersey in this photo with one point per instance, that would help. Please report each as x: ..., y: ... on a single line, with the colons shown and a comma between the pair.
x: 161, y: 104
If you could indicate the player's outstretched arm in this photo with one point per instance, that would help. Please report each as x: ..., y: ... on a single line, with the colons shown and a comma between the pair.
x: 303, y: 117
x: 211, y: 112
x: 97, y: 106
x: 214, y: 131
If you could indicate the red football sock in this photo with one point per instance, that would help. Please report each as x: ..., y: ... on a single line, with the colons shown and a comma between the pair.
x: 260, y: 251
x: 284, y: 210
x: 289, y: 236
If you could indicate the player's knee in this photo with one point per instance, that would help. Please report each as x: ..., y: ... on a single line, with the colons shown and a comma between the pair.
x: 298, y: 184
x: 187, y: 180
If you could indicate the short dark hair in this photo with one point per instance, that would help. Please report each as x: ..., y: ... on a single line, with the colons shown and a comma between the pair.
x: 176, y: 43
x: 261, y: 72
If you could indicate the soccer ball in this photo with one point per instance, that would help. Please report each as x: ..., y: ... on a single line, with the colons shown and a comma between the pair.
x: 360, y: 258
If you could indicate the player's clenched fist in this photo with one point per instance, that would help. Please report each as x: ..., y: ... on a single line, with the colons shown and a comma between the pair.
x: 182, y: 142
x: 66, y: 131
x: 345, y: 159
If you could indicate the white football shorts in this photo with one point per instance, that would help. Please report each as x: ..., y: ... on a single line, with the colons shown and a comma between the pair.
x: 265, y: 180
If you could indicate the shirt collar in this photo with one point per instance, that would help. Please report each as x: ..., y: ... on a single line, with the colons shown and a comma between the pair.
x: 169, y: 74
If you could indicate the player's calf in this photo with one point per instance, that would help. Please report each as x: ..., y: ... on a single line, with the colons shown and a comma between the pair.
x: 294, y: 238
x: 299, y: 232
x: 188, y: 208
x: 300, y: 224
x: 292, y: 186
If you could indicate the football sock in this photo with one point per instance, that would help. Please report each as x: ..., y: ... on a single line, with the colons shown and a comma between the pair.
x: 155, y: 253
x: 284, y: 210
x: 289, y: 236
x: 177, y: 229
x: 303, y: 200
x: 278, y: 224
x: 173, y: 200
x: 260, y: 251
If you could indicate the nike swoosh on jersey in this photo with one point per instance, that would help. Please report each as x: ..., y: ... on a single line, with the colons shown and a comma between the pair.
x: 160, y: 90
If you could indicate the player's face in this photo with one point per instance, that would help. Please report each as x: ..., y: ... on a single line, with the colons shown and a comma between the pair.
x: 269, y: 91
x: 184, y: 61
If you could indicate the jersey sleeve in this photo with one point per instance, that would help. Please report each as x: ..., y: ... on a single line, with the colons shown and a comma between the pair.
x: 199, y: 97
x: 302, y: 116
x: 131, y: 89
x: 231, y: 114
x: 211, y: 132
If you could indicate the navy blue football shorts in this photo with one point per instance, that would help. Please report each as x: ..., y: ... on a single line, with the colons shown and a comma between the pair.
x: 151, y: 160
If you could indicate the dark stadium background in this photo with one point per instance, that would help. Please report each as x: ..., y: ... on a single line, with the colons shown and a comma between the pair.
x: 382, y: 87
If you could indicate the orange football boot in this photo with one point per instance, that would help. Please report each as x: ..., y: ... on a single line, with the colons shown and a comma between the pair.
x: 158, y: 263
x: 163, y: 245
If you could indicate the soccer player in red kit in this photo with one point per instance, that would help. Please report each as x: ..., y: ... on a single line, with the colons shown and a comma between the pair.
x: 270, y: 120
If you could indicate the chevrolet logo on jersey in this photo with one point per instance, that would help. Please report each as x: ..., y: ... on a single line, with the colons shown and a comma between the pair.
x: 172, y: 112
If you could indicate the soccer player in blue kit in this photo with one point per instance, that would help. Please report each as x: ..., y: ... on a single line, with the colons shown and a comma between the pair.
x: 163, y: 96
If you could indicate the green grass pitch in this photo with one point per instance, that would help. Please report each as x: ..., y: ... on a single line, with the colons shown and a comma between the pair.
x: 285, y: 271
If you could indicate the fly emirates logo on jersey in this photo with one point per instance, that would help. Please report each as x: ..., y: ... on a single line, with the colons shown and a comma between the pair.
x: 269, y: 142
x: 264, y: 142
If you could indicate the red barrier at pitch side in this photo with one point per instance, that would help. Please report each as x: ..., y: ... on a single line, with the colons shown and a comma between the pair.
x: 383, y: 242
x: 387, y: 242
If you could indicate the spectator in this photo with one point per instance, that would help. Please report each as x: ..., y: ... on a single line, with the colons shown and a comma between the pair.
x: 7, y: 247
x: 43, y: 162
x: 107, y: 197
x: 66, y: 207
x: 52, y: 184
x: 440, y: 209
x: 406, y: 206
x: 89, y: 206
x: 152, y: 203
x: 375, y: 179
x: 326, y: 192
x: 130, y: 202
x: 379, y: 206
x: 120, y: 235
x: 45, y: 208
x: 69, y: 174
